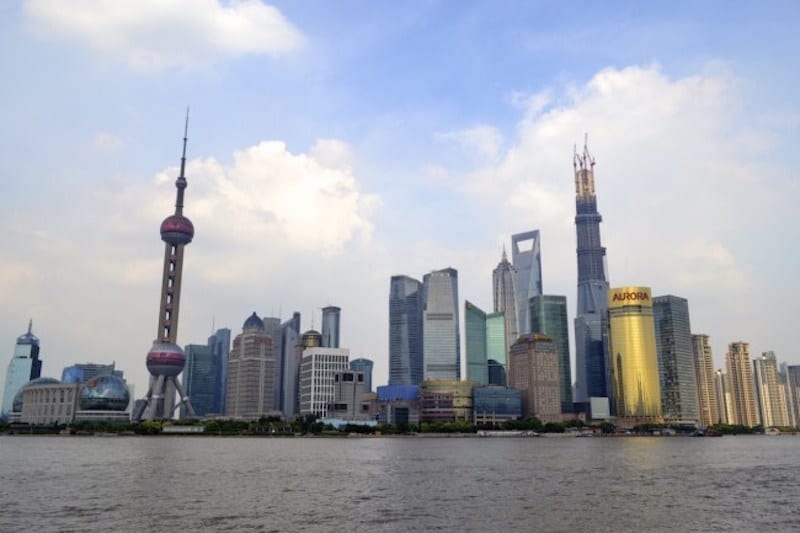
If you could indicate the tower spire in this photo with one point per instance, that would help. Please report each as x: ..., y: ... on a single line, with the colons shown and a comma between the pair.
x: 30, y: 326
x: 505, y: 256
x: 180, y: 183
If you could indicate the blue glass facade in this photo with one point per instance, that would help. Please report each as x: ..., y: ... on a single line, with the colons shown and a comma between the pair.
x: 201, y: 378
x: 331, y: 317
x: 405, y: 331
x: 220, y: 344
x: 502, y: 402
x: 365, y: 366
x: 441, y: 337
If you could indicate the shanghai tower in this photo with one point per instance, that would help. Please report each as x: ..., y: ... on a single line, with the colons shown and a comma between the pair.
x: 592, y: 285
x: 166, y: 359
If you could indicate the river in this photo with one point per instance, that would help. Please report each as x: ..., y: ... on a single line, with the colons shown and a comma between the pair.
x: 739, y: 483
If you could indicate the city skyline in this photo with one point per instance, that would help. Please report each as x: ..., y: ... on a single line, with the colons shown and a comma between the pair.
x: 338, y: 184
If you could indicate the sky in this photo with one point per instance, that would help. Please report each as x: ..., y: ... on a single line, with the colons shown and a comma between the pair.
x: 334, y: 144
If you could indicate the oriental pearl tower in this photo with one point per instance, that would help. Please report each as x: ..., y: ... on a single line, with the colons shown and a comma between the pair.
x: 166, y: 359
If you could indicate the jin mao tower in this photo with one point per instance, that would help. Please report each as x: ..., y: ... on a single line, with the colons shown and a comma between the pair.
x: 592, y: 285
x: 166, y: 359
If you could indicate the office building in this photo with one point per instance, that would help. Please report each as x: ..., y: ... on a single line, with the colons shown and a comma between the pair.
x: 348, y: 389
x: 441, y: 345
x: 290, y: 365
x: 740, y: 381
x: 220, y: 345
x: 590, y: 321
x: 475, y: 336
x: 535, y: 370
x: 504, y: 283
x: 634, y: 376
x: 200, y: 378
x: 549, y: 317
x: 365, y: 366
x: 675, y: 359
x: 318, y: 367
x: 493, y: 405
x: 251, y: 372
x: 397, y: 405
x: 485, y: 346
x: 445, y: 400
x: 527, y: 260
x: 331, y: 317
x: 24, y: 366
x: 707, y: 407
x: 83, y: 372
x: 405, y: 331
x: 770, y: 395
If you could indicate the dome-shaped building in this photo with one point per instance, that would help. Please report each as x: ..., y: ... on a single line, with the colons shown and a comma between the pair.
x: 19, y: 396
x: 104, y: 393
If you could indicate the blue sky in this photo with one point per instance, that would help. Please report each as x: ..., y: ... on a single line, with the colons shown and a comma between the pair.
x: 333, y: 144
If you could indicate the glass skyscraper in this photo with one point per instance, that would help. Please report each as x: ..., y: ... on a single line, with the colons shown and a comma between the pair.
x: 675, y: 359
x: 632, y: 351
x: 331, y: 317
x: 590, y: 364
x: 440, y: 329
x: 549, y: 316
x: 25, y: 365
x: 475, y: 331
x: 365, y: 366
x: 200, y: 378
x: 405, y: 331
x: 290, y: 339
x: 504, y: 283
x: 220, y: 344
x: 527, y: 259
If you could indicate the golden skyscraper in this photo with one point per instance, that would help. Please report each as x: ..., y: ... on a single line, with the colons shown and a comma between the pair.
x: 634, y: 360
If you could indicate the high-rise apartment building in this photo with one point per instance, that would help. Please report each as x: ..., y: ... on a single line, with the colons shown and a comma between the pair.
x: 318, y: 367
x: 770, y: 395
x: 549, y: 316
x: 405, y: 331
x: 485, y: 345
x: 331, y: 318
x: 365, y: 367
x: 25, y: 365
x: 707, y: 407
x: 441, y: 345
x: 632, y: 353
x: 740, y: 380
x: 200, y: 378
x: 590, y: 364
x: 220, y: 344
x: 724, y: 399
x: 675, y: 359
x: 527, y: 260
x: 251, y: 372
x: 504, y: 283
x: 534, y: 369
x: 287, y: 390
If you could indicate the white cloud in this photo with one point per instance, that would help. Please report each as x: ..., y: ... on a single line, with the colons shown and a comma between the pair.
x: 333, y: 153
x: 151, y: 34
x: 482, y: 139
